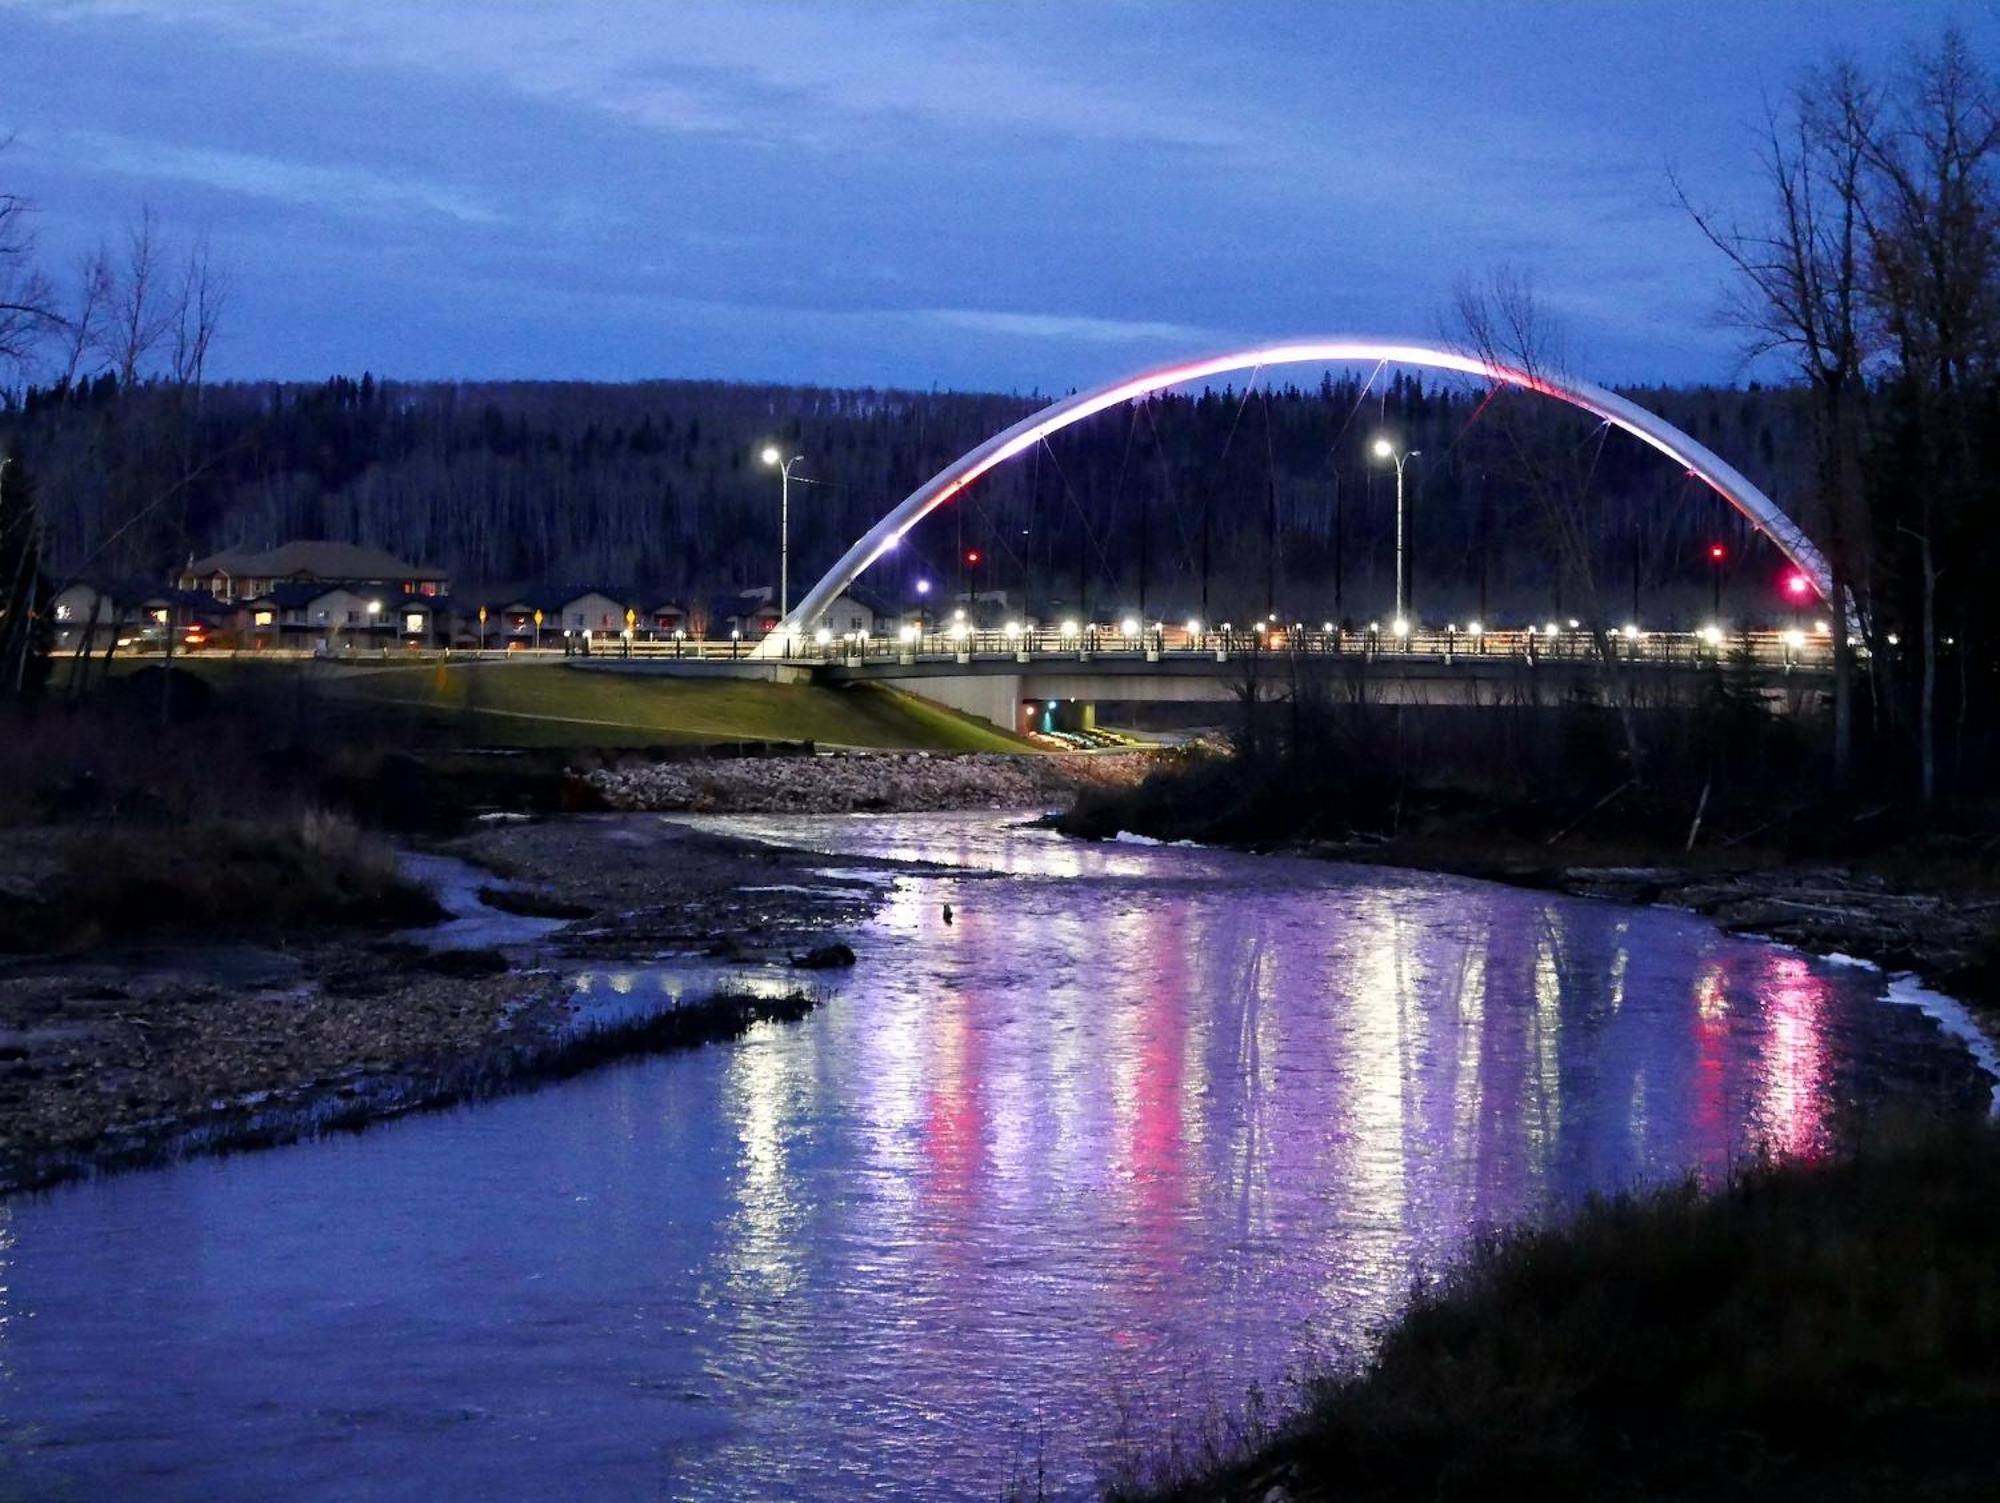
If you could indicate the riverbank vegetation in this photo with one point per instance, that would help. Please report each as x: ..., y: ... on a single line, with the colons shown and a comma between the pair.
x: 216, y: 879
x: 1828, y: 1331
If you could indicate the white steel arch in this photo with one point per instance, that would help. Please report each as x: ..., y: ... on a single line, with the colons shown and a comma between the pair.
x: 1695, y: 458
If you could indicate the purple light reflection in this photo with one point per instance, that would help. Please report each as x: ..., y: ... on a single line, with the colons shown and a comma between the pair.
x: 1142, y: 1127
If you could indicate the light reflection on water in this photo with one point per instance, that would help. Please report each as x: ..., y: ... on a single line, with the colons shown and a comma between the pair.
x: 1139, y: 1128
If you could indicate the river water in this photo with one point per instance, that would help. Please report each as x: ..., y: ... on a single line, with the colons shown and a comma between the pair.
x: 1045, y: 1187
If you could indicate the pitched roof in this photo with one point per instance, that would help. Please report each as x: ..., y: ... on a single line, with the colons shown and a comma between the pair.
x: 324, y: 559
x: 558, y: 599
x: 722, y: 607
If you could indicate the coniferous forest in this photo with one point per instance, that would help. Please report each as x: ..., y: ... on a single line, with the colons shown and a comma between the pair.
x: 1268, y: 493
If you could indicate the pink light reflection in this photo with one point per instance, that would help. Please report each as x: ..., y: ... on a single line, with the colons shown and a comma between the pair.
x: 1794, y: 1107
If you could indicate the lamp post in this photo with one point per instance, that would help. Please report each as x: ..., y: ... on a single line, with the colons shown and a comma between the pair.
x: 773, y: 456
x: 1386, y: 450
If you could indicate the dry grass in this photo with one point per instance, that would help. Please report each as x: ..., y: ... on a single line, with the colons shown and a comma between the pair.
x: 210, y: 878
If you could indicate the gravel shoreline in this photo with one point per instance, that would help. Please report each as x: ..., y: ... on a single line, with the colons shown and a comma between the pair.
x: 138, y: 1054
x: 865, y: 782
x: 134, y: 1053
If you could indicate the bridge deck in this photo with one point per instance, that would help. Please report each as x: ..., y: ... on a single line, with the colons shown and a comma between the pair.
x: 1175, y: 651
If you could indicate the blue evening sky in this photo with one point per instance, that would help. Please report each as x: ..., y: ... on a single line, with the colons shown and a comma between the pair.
x: 1030, y: 195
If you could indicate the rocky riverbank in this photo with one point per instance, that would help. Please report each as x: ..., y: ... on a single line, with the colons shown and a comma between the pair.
x: 864, y: 782
x: 1948, y: 936
x: 128, y: 1054
x: 1922, y: 898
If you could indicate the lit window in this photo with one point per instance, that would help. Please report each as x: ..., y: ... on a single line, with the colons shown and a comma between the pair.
x: 262, y: 618
x: 413, y: 621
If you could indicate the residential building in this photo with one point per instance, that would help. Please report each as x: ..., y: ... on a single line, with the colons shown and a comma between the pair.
x: 243, y: 574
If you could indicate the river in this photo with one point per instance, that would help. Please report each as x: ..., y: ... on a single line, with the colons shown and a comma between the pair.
x: 1048, y: 1186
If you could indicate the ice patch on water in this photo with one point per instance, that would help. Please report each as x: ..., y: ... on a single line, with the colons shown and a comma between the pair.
x: 1955, y: 1019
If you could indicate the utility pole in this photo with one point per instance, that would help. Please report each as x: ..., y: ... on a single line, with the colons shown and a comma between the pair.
x: 1271, y: 546
x: 1339, y: 563
x: 1635, y: 571
x: 1207, y: 498
x: 1145, y: 515
x: 773, y: 456
x: 1386, y: 450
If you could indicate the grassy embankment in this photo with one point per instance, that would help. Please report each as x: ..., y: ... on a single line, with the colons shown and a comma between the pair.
x: 547, y: 705
x: 250, y: 810
x: 1827, y: 1332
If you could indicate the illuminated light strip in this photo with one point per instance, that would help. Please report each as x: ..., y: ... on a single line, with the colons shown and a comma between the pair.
x: 1696, y: 458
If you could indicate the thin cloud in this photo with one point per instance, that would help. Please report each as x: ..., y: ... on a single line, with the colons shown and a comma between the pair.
x: 768, y: 71
x: 1073, y: 328
x: 341, y: 188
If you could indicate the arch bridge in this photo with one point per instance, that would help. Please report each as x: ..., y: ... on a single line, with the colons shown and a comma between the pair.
x: 1697, y: 459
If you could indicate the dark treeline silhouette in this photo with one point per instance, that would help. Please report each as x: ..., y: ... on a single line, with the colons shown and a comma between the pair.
x: 1224, y: 503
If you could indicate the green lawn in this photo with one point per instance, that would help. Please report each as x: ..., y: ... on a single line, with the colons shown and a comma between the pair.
x: 549, y: 705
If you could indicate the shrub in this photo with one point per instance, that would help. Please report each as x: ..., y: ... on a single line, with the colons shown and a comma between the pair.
x: 302, y: 871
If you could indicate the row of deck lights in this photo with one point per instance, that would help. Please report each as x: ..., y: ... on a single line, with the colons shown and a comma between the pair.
x: 1129, y: 628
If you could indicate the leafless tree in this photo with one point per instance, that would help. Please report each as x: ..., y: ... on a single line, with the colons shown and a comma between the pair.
x: 90, y: 305
x: 1502, y: 322
x: 1801, y: 292
x: 197, y: 308
x: 27, y: 299
x: 140, y: 316
x: 1935, y: 246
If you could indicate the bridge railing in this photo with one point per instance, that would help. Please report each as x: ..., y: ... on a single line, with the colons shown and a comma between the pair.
x: 1765, y: 648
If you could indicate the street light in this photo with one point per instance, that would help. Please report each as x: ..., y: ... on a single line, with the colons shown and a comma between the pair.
x: 772, y: 455
x: 1386, y: 450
